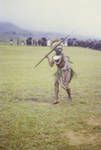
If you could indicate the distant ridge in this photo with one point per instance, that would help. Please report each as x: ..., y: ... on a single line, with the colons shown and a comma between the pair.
x: 11, y: 30
x: 9, y: 27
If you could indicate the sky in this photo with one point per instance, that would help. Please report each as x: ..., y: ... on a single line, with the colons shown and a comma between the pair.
x: 81, y: 16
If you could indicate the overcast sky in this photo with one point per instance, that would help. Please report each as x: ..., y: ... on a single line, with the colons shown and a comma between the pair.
x: 83, y: 16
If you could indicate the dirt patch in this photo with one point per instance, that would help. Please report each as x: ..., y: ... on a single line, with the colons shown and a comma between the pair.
x: 75, y: 138
x: 95, y: 121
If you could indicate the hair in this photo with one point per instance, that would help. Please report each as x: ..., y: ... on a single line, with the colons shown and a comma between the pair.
x: 54, y: 41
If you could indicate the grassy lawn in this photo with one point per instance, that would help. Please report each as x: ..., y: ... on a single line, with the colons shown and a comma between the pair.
x: 29, y: 120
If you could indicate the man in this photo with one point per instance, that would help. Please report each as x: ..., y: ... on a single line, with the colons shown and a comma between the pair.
x: 64, y: 72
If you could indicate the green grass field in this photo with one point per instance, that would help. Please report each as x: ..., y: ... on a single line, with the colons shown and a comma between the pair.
x: 29, y: 120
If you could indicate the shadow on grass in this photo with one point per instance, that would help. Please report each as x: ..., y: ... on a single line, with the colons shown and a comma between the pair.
x: 33, y: 99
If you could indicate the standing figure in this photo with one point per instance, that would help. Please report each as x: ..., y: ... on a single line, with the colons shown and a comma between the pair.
x: 63, y: 74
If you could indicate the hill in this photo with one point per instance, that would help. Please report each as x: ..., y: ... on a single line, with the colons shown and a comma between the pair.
x: 9, y: 30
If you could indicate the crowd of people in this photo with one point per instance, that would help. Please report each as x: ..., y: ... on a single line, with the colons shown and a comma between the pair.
x: 93, y: 44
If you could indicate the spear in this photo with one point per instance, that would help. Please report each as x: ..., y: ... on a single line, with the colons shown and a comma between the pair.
x: 52, y: 50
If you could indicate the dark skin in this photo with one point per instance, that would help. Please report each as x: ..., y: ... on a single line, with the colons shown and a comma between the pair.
x: 69, y: 93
